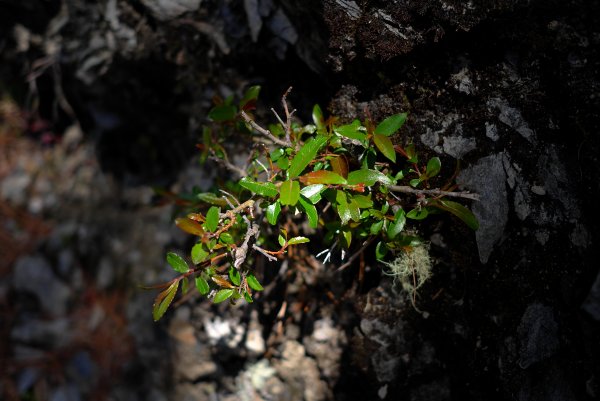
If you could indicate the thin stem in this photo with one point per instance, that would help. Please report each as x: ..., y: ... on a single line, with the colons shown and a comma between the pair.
x: 356, y: 254
x: 264, y: 132
x: 409, y: 190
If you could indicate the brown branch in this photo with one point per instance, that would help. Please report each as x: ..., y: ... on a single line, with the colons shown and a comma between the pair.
x: 265, y: 132
x: 436, y: 192
x: 352, y: 258
x: 230, y: 166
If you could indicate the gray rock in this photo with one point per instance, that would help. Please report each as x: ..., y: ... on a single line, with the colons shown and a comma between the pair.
x: 326, y: 344
x: 538, y: 335
x: 491, y: 131
x: 50, y: 333
x: 592, y: 302
x: 511, y: 117
x: 33, y: 274
x: 169, y: 9
x: 462, y: 82
x: 458, y: 146
x: 14, y: 187
x: 487, y: 178
x: 300, y: 374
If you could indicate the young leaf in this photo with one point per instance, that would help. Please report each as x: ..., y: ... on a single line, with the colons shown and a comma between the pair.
x: 211, y: 198
x: 380, y: 250
x: 199, y: 254
x: 317, y: 115
x: 189, y: 226
x: 313, y: 192
x: 226, y: 238
x: 234, y: 276
x: 311, y: 213
x: 397, y: 226
x: 418, y: 214
x: 433, y: 167
x: 411, y: 153
x: 368, y: 177
x: 342, y: 207
x: 347, y: 236
x: 298, y: 240
x: 281, y: 240
x: 384, y: 144
x: 323, y: 177
x: 363, y: 202
x: 339, y: 165
x: 212, y: 218
x: 459, y: 211
x: 391, y: 124
x: 253, y: 283
x: 222, y: 113
x: 260, y: 188
x: 250, y: 97
x: 306, y: 155
x: 222, y: 295
x: 248, y: 297
x: 273, y: 211
x: 177, y: 262
x: 376, y: 227
x: 352, y: 131
x: 415, y: 182
x: 163, y: 300
x: 290, y: 192
x: 202, y: 285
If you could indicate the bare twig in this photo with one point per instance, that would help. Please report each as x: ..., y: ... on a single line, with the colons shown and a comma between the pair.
x: 230, y: 166
x: 264, y: 132
x: 288, y: 116
x: 409, y: 190
x: 259, y: 249
x: 356, y: 254
x: 241, y: 252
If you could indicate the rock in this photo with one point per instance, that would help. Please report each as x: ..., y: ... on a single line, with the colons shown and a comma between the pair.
x: 487, y: 178
x: 326, y: 345
x: 538, y: 335
x: 385, y: 360
x: 458, y: 146
x: 49, y: 333
x: 512, y: 117
x: 300, y: 374
x: 170, y: 9
x: 33, y: 274
x: 255, y: 343
x: 192, y: 360
x: 14, y: 187
x: 591, y: 304
x: 67, y: 392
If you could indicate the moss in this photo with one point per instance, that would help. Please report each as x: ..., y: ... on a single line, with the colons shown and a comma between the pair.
x: 411, y: 269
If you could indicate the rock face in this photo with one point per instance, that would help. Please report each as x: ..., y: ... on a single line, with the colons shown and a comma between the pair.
x: 507, y: 90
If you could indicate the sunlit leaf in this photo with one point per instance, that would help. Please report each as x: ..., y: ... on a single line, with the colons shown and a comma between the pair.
x: 352, y: 131
x: 250, y: 97
x: 234, y: 276
x: 273, y: 211
x: 384, y: 144
x: 248, y: 297
x: 281, y: 240
x: 363, y: 201
x: 202, y: 285
x: 317, y: 115
x: 222, y: 295
x: 199, y: 254
x: 163, y: 300
x: 376, y: 227
x: 347, y: 236
x: 177, y: 262
x: 311, y: 213
x: 433, y: 167
x: 459, y: 211
x: 380, y: 250
x: 313, y: 192
x: 189, y: 226
x: 354, y: 209
x: 223, y: 113
x: 322, y: 177
x: 212, y: 218
x: 253, y: 283
x: 342, y: 207
x: 260, y: 188
x: 397, y: 225
x: 368, y: 177
x: 297, y: 240
x: 276, y: 154
x: 290, y: 192
x: 391, y: 124
x: 226, y: 238
x: 339, y: 165
x: 306, y: 155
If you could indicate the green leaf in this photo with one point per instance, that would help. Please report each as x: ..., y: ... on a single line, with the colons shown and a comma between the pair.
x: 184, y: 286
x: 290, y: 192
x: 323, y: 177
x: 317, y: 115
x: 163, y: 300
x: 311, y: 213
x: 306, y: 155
x: 354, y: 210
x: 234, y: 276
x: 459, y: 211
x: 250, y: 96
x: 226, y: 238
x: 189, y: 226
x: 276, y: 154
x: 342, y: 207
x: 384, y: 144
x: 381, y: 250
x: 253, y: 283
x: 391, y: 124
x: 376, y: 227
x: 261, y: 188
x: 433, y: 167
x: 415, y: 182
x: 202, y: 285
x: 283, y: 163
x: 297, y: 240
x: 223, y: 113
x: 281, y: 240
x: 177, y: 262
x: 397, y: 226
x: 211, y: 198
x: 347, y: 236
x: 248, y: 297
x: 364, y: 202
x: 223, y: 295
x: 411, y: 153
x: 212, y: 219
x: 199, y: 254
x: 352, y: 131
x: 313, y: 192
x: 273, y: 211
x: 368, y: 177
x: 418, y: 214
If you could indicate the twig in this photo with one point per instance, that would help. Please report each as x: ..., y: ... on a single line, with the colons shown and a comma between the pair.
x: 288, y: 116
x: 241, y: 251
x: 356, y: 254
x: 228, y: 165
x: 264, y: 132
x: 409, y: 190
x: 259, y: 249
